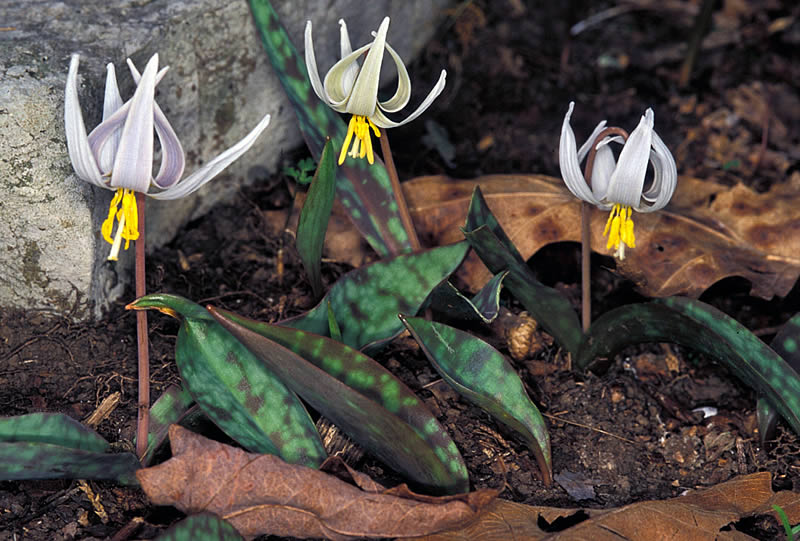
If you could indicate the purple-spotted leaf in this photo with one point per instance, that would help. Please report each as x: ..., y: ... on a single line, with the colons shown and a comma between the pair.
x: 366, y: 300
x: 786, y: 344
x: 483, y: 376
x: 54, y: 446
x: 236, y: 390
x: 700, y: 326
x: 364, y: 190
x: 54, y: 428
x: 448, y: 301
x: 314, y: 218
x: 361, y: 397
x: 201, y: 527
x: 498, y: 253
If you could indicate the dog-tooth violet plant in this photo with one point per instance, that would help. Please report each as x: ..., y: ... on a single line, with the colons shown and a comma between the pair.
x: 615, y: 185
x: 350, y: 88
x: 118, y: 155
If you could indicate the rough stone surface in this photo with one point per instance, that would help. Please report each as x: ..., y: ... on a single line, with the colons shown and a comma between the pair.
x: 219, y: 85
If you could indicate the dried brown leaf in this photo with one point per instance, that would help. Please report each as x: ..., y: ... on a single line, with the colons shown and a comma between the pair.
x: 261, y: 494
x: 706, y: 233
x: 695, y: 517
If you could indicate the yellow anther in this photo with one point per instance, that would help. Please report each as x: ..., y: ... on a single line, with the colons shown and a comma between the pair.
x: 362, y: 145
x: 619, y: 229
x: 127, y: 218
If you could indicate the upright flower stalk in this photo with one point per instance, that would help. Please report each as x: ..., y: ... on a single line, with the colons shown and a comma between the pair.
x: 118, y: 155
x: 616, y: 185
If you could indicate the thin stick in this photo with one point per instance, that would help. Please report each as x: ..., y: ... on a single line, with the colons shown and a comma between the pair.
x: 586, y: 234
x: 143, y: 417
x: 402, y: 208
x: 575, y: 423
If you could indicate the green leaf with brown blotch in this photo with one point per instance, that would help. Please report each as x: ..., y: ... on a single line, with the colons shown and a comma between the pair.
x: 498, y: 253
x: 53, y: 428
x: 236, y: 390
x: 484, y: 306
x: 170, y: 408
x: 364, y: 190
x: 35, y: 460
x: 314, y: 219
x: 201, y: 527
x: 786, y: 344
x: 366, y: 300
x: 702, y: 327
x: 483, y: 376
x: 361, y: 397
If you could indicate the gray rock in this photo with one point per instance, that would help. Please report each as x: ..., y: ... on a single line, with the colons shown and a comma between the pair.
x: 220, y: 84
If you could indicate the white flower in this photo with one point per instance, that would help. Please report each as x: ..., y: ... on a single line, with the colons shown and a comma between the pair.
x: 350, y: 88
x: 619, y: 185
x: 118, y: 153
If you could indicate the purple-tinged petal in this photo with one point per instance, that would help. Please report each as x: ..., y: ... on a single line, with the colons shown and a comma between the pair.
x: 134, y: 161
x: 173, y: 160
x: 197, y: 179
x: 111, y: 103
x: 80, y: 153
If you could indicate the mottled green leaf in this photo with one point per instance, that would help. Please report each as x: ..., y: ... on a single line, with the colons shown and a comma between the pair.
x: 35, y: 460
x: 364, y: 190
x: 786, y: 344
x: 54, y: 428
x: 171, y: 407
x: 201, y: 527
x: 314, y: 219
x: 483, y: 376
x: 366, y: 300
x: 447, y: 300
x: 237, y: 391
x: 697, y: 325
x: 545, y: 304
x: 361, y: 397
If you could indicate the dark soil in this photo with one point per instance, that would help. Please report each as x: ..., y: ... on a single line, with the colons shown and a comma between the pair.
x: 627, y: 435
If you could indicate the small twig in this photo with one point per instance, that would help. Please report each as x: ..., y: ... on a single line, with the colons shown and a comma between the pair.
x: 143, y: 417
x: 402, y: 207
x: 129, y: 529
x: 600, y: 430
x: 108, y: 405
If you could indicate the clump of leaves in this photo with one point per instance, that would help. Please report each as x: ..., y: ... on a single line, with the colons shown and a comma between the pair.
x: 300, y: 174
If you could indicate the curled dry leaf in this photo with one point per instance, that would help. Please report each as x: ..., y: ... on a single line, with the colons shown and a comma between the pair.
x: 261, y: 494
x: 700, y: 515
x: 706, y: 233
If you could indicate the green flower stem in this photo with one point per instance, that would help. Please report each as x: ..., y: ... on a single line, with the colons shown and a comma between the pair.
x: 402, y: 207
x: 143, y: 417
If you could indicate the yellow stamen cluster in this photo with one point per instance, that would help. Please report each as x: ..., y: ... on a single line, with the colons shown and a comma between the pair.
x: 619, y: 229
x: 128, y: 219
x: 362, y: 145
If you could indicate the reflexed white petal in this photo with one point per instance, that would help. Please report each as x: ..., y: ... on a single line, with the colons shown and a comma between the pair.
x: 382, y: 121
x: 602, y: 169
x: 311, y: 67
x: 627, y: 180
x: 337, y: 94
x: 403, y: 92
x: 665, y: 179
x: 364, y: 96
x: 80, y: 153
x: 345, y: 49
x: 111, y: 102
x: 134, y: 161
x: 106, y: 135
x: 173, y: 160
x: 214, y: 167
x: 570, y: 165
